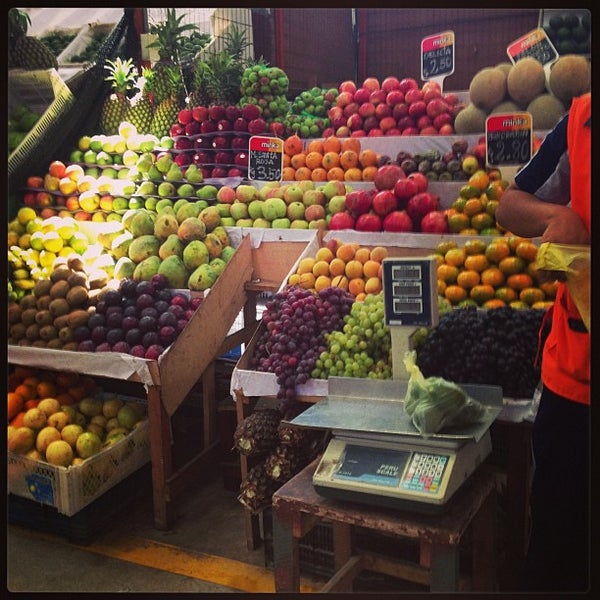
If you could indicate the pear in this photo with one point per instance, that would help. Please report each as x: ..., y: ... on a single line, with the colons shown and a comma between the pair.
x: 146, y: 188
x: 163, y: 164
x: 185, y: 190
x: 174, y: 173
x: 193, y: 174
x: 166, y: 188
x: 207, y: 192
x: 154, y: 174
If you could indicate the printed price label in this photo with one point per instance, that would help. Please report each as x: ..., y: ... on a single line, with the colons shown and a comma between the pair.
x: 535, y: 43
x: 437, y: 55
x: 265, y: 158
x: 509, y: 139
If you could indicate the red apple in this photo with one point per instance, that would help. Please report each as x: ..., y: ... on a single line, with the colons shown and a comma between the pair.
x: 192, y: 128
x: 185, y: 116
x: 413, y: 95
x: 387, y: 123
x: 417, y: 108
x: 368, y: 222
x: 378, y: 97
x: 239, y: 142
x: 408, y: 83
x: 202, y: 158
x: 43, y: 199
x: 344, y: 99
x: 240, y: 124
x: 420, y: 204
x: 431, y: 93
x: 351, y: 109
x: 35, y: 182
x: 354, y: 122
x: 384, y: 202
x: 200, y: 113
x: 232, y: 112
x: 341, y: 220
x: 347, y: 86
x: 219, y: 142
x: 386, y: 176
x: 390, y: 83
x: 250, y: 112
x: 358, y: 202
x: 479, y: 150
x: 435, y: 221
x: 183, y: 143
x: 421, y: 181
x: 257, y: 126
x: 436, y: 107
x: 397, y: 221
x: 400, y: 110
x: 277, y: 128
x: 328, y: 132
x: 383, y: 110
x: 223, y: 157
x: 406, y: 121
x: 371, y: 83
x: 236, y: 172
x: 218, y: 172
x: 394, y: 97
x: 342, y: 131
x: 450, y: 98
x: 405, y: 188
x: 366, y: 109
x: 358, y: 133
x: 29, y: 199
x: 361, y: 95
x: 183, y: 159
x: 410, y: 131
x: 202, y: 142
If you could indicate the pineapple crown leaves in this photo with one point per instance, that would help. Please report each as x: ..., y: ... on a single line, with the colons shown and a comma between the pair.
x: 18, y: 22
x: 121, y: 74
x: 170, y: 34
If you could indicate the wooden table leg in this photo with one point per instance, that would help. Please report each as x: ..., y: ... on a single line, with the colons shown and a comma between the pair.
x: 445, y: 567
x: 484, y: 546
x: 286, y: 553
x: 342, y: 549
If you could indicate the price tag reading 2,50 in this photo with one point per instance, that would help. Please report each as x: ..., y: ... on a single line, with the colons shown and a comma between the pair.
x: 509, y: 138
x: 437, y: 55
x: 536, y: 44
x: 265, y: 158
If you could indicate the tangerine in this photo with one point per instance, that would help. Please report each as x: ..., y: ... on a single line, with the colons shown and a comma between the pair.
x: 526, y: 250
x: 27, y: 392
x: 455, y: 293
x: 531, y: 295
x: 514, y: 240
x: 475, y: 246
x: 455, y: 256
x: 348, y: 159
x: 480, y: 179
x: 472, y: 205
x: 470, y: 231
x: 497, y: 250
x: 368, y: 158
x: 482, y: 221
x: 287, y: 161
x: 493, y: 276
x: 549, y: 288
x: 493, y: 303
x: 458, y: 222
x: 519, y: 281
x: 332, y: 144
x: 356, y: 286
x: 441, y: 287
x: 519, y: 304
x: 336, y: 173
x: 511, y: 265
x: 468, y: 278
x: 315, y: 146
x: 17, y: 420
x: 371, y: 268
x: 303, y: 174
x: 330, y: 160
x: 444, y: 246
x: 476, y: 262
x: 447, y: 273
x: 353, y: 174
x: 543, y: 305
x: 363, y: 254
x: 298, y: 160
x: 314, y: 160
x: 368, y: 173
x: 482, y: 293
x: 506, y: 294
x: 319, y: 174
x: 351, y: 143
x: 288, y: 174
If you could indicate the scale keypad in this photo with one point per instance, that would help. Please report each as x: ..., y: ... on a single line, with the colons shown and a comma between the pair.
x: 424, y: 472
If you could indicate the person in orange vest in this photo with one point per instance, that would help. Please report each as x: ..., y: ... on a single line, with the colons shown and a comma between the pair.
x: 551, y: 198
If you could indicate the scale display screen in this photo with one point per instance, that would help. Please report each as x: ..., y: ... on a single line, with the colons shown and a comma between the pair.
x: 410, y: 471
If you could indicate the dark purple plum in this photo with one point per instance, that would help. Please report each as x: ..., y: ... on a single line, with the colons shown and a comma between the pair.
x: 181, y: 323
x: 86, y: 346
x: 130, y: 311
x: 115, y: 335
x: 154, y: 351
x: 161, y: 306
x: 96, y: 319
x: 177, y: 310
x: 149, y: 311
x: 144, y: 301
x: 163, y: 294
x: 134, y: 337
x: 114, y: 320
x: 112, y: 298
x: 144, y: 287
x: 196, y: 301
x: 138, y: 350
x: 147, y: 323
x: 128, y: 288
x: 82, y: 333
x: 180, y: 300
x: 167, y: 335
x: 159, y: 281
x: 150, y: 337
x: 101, y: 307
x: 122, y: 346
x: 104, y: 347
x: 167, y: 318
x: 98, y: 334
x: 188, y: 314
x: 129, y: 323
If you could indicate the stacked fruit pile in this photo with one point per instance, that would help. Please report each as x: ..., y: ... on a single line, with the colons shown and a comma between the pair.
x: 61, y: 418
x: 266, y: 87
x: 569, y: 33
x: 494, y: 274
x: 307, y: 116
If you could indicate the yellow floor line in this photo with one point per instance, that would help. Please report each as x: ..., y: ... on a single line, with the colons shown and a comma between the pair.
x: 197, y: 565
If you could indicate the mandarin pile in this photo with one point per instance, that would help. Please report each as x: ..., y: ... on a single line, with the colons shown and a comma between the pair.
x: 347, y: 265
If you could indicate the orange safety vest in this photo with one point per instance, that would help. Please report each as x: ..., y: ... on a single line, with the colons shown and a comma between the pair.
x: 566, y: 354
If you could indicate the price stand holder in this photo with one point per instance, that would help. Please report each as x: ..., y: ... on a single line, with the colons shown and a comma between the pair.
x: 509, y: 139
x: 537, y: 44
x: 437, y: 57
x: 265, y: 158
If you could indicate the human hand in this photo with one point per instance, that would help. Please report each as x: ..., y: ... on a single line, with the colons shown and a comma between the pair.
x: 565, y: 227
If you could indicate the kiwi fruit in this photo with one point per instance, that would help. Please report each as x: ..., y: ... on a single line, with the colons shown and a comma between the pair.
x: 77, y: 296
x: 59, y: 289
x: 43, y: 302
x: 42, y: 287
x: 28, y: 316
x: 44, y: 317
x: 59, y: 307
x: 28, y: 301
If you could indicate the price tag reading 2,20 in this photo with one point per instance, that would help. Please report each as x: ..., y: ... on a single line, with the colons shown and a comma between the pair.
x: 536, y: 44
x: 265, y: 158
x: 437, y: 55
x: 509, y: 138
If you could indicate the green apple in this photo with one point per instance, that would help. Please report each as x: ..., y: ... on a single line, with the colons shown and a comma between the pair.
x: 281, y: 223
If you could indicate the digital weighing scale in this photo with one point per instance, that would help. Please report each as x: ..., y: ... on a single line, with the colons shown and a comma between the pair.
x: 376, y: 454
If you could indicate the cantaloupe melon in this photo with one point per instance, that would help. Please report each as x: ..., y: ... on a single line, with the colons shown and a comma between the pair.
x: 526, y: 80
x: 470, y: 119
x: 506, y: 66
x: 487, y: 88
x: 546, y: 110
x: 508, y: 106
x: 570, y: 76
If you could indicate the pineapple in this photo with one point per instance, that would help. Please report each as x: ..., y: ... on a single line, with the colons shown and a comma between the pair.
x: 142, y: 107
x: 257, y: 432
x: 257, y: 489
x: 116, y: 106
x: 167, y: 111
x: 26, y: 52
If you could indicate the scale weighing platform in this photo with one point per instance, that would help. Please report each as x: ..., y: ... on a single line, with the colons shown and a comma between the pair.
x: 377, y: 456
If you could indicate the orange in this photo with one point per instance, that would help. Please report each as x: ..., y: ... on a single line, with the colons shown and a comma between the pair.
x: 514, y: 240
x: 482, y: 221
x: 497, y: 250
x: 336, y: 173
x: 447, y: 273
x: 468, y: 279
x: 315, y: 146
x: 455, y: 256
x: 27, y: 392
x: 319, y: 174
x: 511, y: 265
x: 368, y: 158
x: 378, y: 253
x: 472, y: 205
x: 494, y: 190
x: 493, y: 303
x: 287, y: 161
x: 302, y: 174
x: 14, y: 403
x: 362, y: 254
x: 321, y: 267
x: 348, y: 159
x: 46, y: 389
x: 492, y: 276
x: 322, y: 282
x: 337, y: 267
x: 314, y: 160
x: 531, y: 295
x: 506, y: 294
x: 476, y: 262
x: 482, y: 293
x: 457, y: 222
x: 330, y: 160
x: 288, y: 174
x: 340, y: 281
x: 444, y: 246
x: 469, y: 231
x: 298, y: 160
x: 544, y: 304
x: 475, y: 246
x: 459, y: 204
x: 526, y: 250
x: 351, y: 143
x: 332, y: 144
x: 325, y: 254
x: 354, y: 269
x: 346, y: 251
x: 480, y: 179
x: 441, y: 287
x: 293, y: 145
x: 519, y: 304
x: 519, y: 281
x: 356, y: 285
x: 532, y: 269
x: 17, y: 420
x: 455, y: 293
x: 373, y: 285
x: 368, y: 173
x: 353, y: 174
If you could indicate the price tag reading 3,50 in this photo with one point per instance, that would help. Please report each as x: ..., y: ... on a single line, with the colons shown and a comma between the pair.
x: 536, y: 44
x: 509, y: 139
x: 265, y: 158
x: 437, y: 56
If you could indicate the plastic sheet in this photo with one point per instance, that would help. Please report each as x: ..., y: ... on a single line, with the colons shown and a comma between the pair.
x: 575, y: 261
